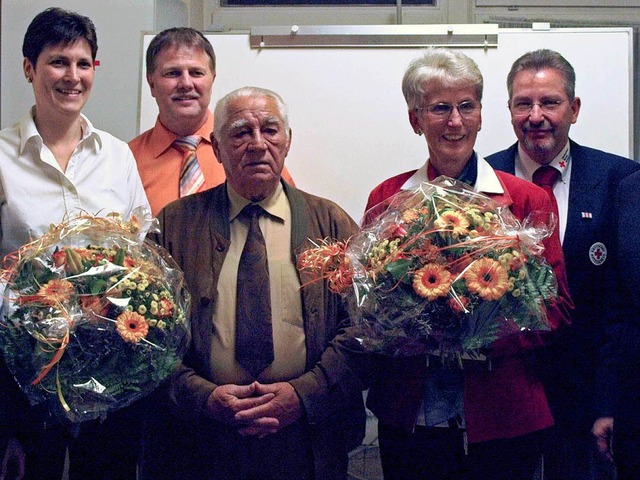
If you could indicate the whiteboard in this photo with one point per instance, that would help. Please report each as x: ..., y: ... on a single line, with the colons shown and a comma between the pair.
x: 349, y: 118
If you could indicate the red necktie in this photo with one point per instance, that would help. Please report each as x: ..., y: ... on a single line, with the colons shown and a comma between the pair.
x: 191, y: 176
x: 546, y: 178
x: 254, y: 334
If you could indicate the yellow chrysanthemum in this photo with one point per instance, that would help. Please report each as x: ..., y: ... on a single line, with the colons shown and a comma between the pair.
x: 432, y: 281
x: 457, y: 222
x: 488, y: 278
x: 132, y: 326
x: 409, y: 215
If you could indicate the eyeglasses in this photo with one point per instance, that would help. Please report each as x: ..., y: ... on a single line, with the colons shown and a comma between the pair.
x: 466, y: 109
x: 524, y: 107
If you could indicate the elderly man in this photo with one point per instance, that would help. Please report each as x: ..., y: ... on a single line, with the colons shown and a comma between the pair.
x: 175, y: 157
x: 281, y: 403
x: 581, y: 182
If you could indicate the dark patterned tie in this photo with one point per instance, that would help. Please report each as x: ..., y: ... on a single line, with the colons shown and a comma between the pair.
x: 254, y: 335
x: 546, y: 178
x: 191, y: 176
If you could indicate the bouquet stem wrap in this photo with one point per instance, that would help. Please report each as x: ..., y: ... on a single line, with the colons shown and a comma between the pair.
x: 440, y: 269
x: 94, y: 316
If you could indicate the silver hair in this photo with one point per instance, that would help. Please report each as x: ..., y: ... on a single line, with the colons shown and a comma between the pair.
x: 540, y: 60
x: 441, y: 65
x: 221, y: 114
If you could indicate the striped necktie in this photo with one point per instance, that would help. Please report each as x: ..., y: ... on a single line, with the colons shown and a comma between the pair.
x: 191, y: 176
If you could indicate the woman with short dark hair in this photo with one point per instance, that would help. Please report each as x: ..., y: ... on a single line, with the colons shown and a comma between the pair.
x: 54, y: 164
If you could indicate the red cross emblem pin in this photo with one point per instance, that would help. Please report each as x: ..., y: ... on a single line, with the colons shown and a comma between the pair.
x: 598, y: 253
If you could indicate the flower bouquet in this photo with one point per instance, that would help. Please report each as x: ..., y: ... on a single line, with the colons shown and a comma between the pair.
x: 440, y: 269
x: 94, y: 316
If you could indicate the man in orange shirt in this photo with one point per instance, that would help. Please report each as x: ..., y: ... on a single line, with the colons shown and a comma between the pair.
x: 181, y: 68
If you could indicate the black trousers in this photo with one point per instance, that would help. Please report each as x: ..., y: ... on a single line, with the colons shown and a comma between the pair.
x: 177, y: 450
x: 570, y: 454
x: 106, y: 450
x: 626, y: 452
x: 439, y: 454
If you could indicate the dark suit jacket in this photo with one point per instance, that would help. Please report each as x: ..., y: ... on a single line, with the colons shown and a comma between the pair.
x: 570, y: 366
x: 618, y: 393
x: 195, y: 230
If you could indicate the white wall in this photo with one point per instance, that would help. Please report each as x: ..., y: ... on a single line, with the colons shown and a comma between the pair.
x: 119, y: 23
x: 349, y: 120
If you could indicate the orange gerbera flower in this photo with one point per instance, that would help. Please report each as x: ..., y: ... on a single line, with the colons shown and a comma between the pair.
x: 428, y: 252
x: 54, y: 292
x: 488, y: 278
x: 432, y: 281
x: 459, y: 304
x: 132, y: 326
x: 59, y: 258
x: 457, y: 222
x: 93, y: 308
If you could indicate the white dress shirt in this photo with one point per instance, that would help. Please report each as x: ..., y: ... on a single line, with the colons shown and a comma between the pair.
x: 101, y: 178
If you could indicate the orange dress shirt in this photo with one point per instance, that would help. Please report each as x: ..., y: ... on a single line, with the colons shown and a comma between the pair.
x: 159, y: 164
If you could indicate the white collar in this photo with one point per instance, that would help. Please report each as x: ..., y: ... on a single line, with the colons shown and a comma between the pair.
x: 486, y: 182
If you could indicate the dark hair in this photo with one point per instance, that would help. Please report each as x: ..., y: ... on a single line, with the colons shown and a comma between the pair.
x: 539, y: 60
x: 182, y: 36
x: 56, y: 26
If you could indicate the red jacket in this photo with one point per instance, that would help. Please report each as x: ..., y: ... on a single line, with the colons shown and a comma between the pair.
x: 508, y: 400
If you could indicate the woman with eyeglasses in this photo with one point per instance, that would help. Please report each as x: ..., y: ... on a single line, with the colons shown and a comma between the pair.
x: 488, y: 419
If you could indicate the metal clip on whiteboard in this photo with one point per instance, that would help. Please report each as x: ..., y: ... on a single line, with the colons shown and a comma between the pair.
x: 541, y: 26
x: 464, y: 35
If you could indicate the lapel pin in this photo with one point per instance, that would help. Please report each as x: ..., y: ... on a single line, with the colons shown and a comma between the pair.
x: 598, y: 253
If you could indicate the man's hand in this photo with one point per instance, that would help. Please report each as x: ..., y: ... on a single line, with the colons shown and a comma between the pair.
x: 284, y: 407
x: 227, y: 400
x: 13, y: 461
x: 603, y: 431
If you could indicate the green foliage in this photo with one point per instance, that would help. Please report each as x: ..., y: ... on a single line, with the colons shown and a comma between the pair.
x: 62, y: 342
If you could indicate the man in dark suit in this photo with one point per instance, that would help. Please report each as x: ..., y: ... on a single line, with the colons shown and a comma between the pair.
x: 618, y: 392
x: 543, y: 106
x: 298, y: 413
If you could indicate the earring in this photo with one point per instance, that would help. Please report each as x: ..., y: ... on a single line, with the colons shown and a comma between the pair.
x: 419, y: 132
x: 29, y: 79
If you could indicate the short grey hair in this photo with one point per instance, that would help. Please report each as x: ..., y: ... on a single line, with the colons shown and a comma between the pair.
x: 539, y: 60
x: 221, y: 113
x: 448, y: 67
